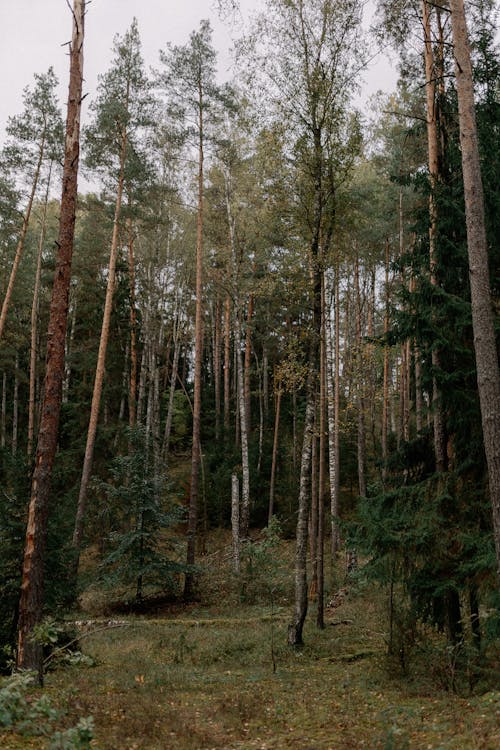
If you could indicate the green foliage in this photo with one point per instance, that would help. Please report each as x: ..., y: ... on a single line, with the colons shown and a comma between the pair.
x: 263, y: 574
x: 22, y: 714
x: 142, y: 547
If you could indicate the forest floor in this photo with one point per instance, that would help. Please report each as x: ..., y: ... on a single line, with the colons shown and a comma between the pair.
x: 218, y: 675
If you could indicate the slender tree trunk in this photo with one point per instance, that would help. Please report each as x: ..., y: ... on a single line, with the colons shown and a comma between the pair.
x: 143, y: 373
x: 300, y: 611
x: 217, y: 366
x: 29, y: 653
x: 385, y: 388
x: 240, y: 372
x: 274, y: 459
x: 333, y: 402
x: 313, y: 512
x: 15, y: 406
x: 198, y: 354
x: 235, y: 521
x: 261, y: 414
x: 22, y: 237
x: 101, y: 362
x: 171, y: 395
x: 360, y: 387
x: 488, y: 377
x: 227, y: 365
x: 4, y: 410
x: 265, y: 383
x: 320, y: 618
x: 433, y: 156
x: 34, y: 321
x: 132, y: 411
x: 248, y: 361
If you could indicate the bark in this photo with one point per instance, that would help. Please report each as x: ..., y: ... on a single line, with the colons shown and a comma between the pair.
x: 227, y: 365
x: 68, y: 348
x: 240, y: 371
x: 261, y: 414
x: 22, y: 237
x: 433, y: 157
x: 101, y: 361
x: 275, y: 452
x: 217, y: 366
x: 133, y: 328
x: 300, y: 611
x: 248, y: 360
x: 360, y: 387
x: 322, y: 470
x: 198, y: 354
x: 15, y: 406
x: 235, y: 521
x: 34, y: 322
x: 171, y: 395
x: 333, y: 403
x: 488, y: 377
x: 313, y: 513
x: 4, y: 410
x: 29, y: 654
x: 385, y: 396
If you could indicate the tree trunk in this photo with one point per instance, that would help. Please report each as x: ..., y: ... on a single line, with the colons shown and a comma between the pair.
x: 29, y: 654
x: 360, y: 387
x: 333, y: 403
x: 171, y: 395
x: 133, y: 328
x: 433, y: 156
x: 275, y: 452
x: 198, y: 354
x: 320, y: 618
x: 217, y: 366
x: 488, y: 377
x: 4, y: 410
x: 296, y: 626
x: 248, y: 360
x: 101, y: 362
x: 15, y: 406
x: 240, y: 371
x: 385, y: 387
x: 235, y: 521
x: 227, y: 365
x: 34, y: 321
x: 20, y: 242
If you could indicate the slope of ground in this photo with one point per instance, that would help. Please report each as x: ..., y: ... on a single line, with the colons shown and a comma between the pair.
x: 219, y: 675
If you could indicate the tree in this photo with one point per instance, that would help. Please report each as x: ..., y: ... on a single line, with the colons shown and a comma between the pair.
x: 310, y: 75
x: 488, y: 376
x: 121, y: 110
x: 29, y: 653
x: 188, y: 78
x: 33, y: 136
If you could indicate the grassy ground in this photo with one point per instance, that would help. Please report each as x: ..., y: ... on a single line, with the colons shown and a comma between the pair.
x: 220, y: 675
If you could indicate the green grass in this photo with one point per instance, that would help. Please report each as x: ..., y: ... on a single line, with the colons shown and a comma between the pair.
x: 203, y: 677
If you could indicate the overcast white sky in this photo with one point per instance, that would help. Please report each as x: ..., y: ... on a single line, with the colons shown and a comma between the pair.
x: 33, y: 32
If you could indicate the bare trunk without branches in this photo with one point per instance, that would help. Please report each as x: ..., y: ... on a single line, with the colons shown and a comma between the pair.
x: 488, y: 377
x: 101, y: 361
x: 29, y: 654
x: 34, y: 322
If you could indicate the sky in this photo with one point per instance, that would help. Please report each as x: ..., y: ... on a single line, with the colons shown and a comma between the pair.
x: 33, y: 34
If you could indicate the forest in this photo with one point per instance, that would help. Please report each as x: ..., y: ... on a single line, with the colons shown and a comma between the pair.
x: 250, y: 392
